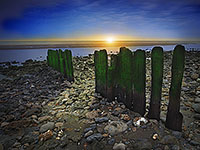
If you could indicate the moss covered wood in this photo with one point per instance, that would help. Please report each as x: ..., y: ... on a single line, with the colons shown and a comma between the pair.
x: 174, y: 117
x: 156, y: 82
x: 124, y: 77
x: 111, y: 78
x: 101, y: 68
x: 139, y: 80
x: 68, y: 65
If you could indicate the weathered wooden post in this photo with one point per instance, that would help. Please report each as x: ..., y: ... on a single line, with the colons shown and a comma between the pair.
x: 111, y: 78
x: 124, y: 77
x: 174, y: 117
x: 68, y: 65
x: 101, y: 68
x: 156, y: 82
x: 139, y: 81
x: 57, y: 67
x: 61, y: 62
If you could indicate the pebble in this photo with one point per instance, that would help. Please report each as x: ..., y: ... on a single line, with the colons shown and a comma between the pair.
x: 92, y: 114
x: 196, y: 108
x: 58, y: 124
x: 88, y: 133
x: 115, y: 127
x: 119, y: 146
x: 43, y: 118
x: 111, y: 141
x: 101, y: 120
x: 94, y: 137
x: 197, y: 100
x: 197, y: 116
x: 47, y: 126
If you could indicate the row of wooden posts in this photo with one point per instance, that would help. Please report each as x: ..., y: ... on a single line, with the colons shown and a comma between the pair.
x: 124, y: 79
x: 62, y: 62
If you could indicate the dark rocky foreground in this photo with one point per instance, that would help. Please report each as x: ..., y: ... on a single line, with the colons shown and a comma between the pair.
x: 39, y: 109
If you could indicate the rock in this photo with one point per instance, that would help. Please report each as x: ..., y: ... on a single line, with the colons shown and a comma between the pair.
x: 92, y: 114
x: 58, y: 124
x: 115, y: 127
x: 197, y: 116
x: 142, y: 145
x: 47, y: 126
x: 28, y: 139
x: 168, y: 139
x: 196, y: 108
x: 197, y: 100
x: 101, y: 120
x: 175, y: 147
x: 88, y: 133
x: 44, y: 118
x: 32, y: 111
x: 120, y: 146
x: 194, y: 143
x: 111, y: 141
x: 94, y: 137
x: 3, y: 124
x: 139, y: 121
x: 194, y: 76
x: 45, y: 136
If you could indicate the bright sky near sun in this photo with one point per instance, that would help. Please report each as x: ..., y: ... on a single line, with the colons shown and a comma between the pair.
x: 99, y: 19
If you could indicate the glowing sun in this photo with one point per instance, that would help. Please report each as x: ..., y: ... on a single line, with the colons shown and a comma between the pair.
x: 109, y: 40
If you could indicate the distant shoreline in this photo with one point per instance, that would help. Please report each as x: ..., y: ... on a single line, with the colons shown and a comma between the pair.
x: 88, y: 45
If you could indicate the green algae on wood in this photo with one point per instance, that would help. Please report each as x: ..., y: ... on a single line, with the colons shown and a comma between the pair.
x: 156, y: 82
x: 124, y: 77
x: 174, y: 117
x: 111, y: 78
x: 101, y: 68
x: 57, y: 67
x: 68, y: 65
x: 139, y: 81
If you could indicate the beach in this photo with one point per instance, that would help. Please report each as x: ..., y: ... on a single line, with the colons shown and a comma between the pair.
x: 40, y: 109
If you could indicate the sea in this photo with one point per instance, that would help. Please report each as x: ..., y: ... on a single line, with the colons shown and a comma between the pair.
x: 21, y: 55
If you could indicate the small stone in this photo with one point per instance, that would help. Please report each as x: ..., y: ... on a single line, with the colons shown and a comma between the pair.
x: 3, y: 124
x: 34, y: 117
x: 45, y: 136
x: 175, y: 147
x: 47, y: 126
x: 105, y: 135
x: 196, y: 108
x: 115, y: 127
x: 197, y: 100
x: 94, y: 137
x: 194, y: 143
x: 155, y: 136
x: 101, y: 120
x: 92, y: 114
x: 194, y: 76
x: 139, y: 121
x: 44, y: 118
x: 111, y: 141
x: 120, y: 146
x: 58, y: 124
x: 88, y: 133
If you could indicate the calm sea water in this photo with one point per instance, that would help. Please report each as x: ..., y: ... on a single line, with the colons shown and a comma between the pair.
x: 41, y: 54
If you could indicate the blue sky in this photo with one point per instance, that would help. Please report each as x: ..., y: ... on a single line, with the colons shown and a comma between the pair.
x: 97, y: 19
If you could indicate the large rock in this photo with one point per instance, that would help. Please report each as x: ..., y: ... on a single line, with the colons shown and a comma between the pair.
x: 94, y: 137
x: 44, y: 118
x: 115, y: 127
x: 197, y: 100
x: 142, y: 145
x: 47, y: 126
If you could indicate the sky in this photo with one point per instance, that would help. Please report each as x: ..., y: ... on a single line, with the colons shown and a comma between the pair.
x: 99, y: 19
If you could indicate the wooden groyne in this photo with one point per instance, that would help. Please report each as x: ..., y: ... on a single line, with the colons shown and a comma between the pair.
x: 124, y: 80
x: 62, y: 62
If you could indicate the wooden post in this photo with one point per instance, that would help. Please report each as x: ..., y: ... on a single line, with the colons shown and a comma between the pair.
x: 57, y: 67
x: 111, y: 78
x: 68, y: 65
x: 124, y: 77
x: 61, y: 61
x: 101, y: 68
x: 139, y: 81
x: 174, y: 117
x: 156, y: 82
